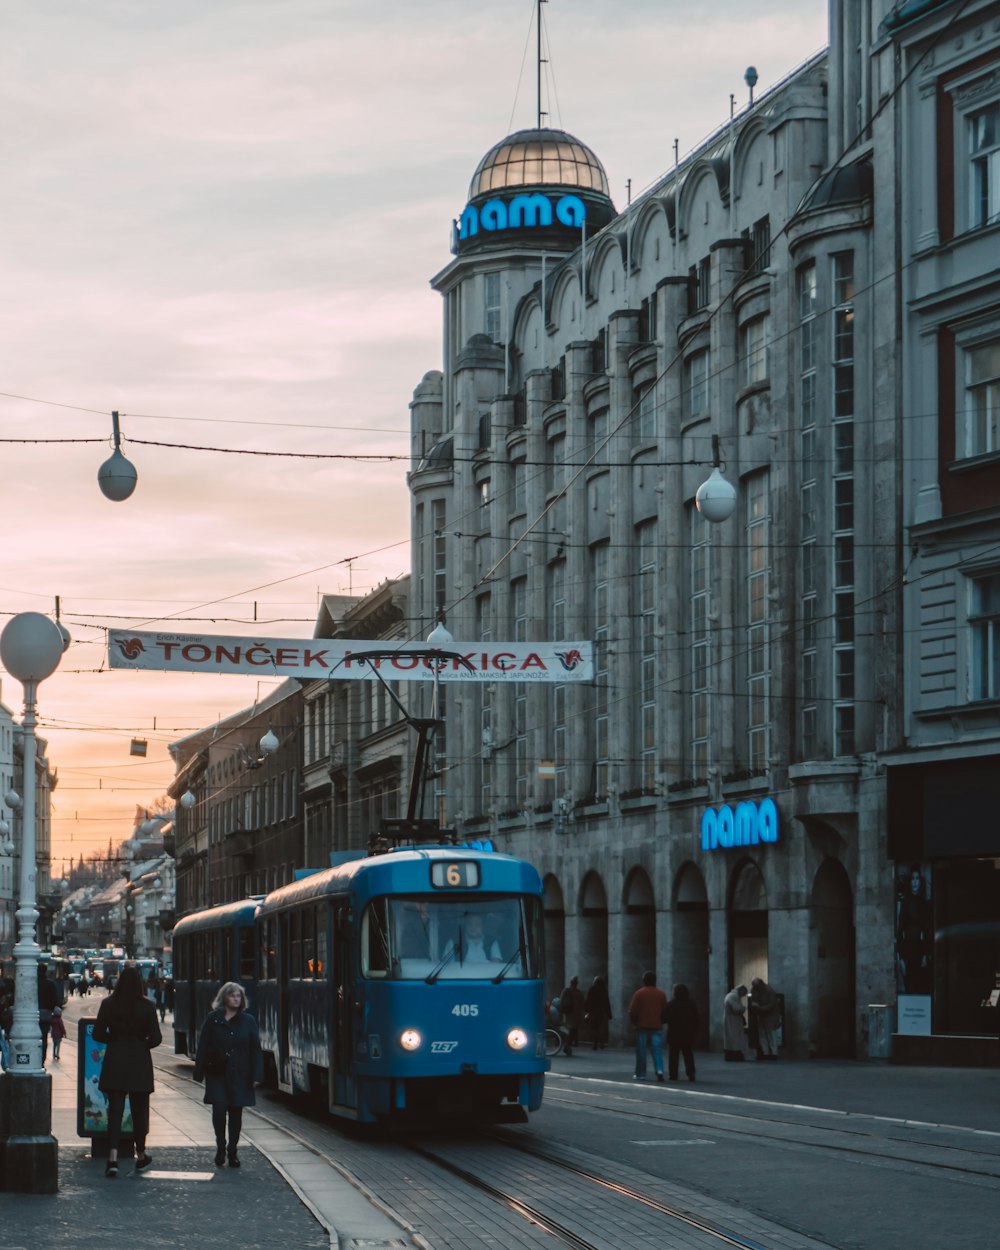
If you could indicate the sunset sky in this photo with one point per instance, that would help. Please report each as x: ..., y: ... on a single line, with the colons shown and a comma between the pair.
x: 220, y: 219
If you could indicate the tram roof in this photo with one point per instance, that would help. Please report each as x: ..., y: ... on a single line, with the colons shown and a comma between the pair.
x: 226, y: 913
x: 398, y: 870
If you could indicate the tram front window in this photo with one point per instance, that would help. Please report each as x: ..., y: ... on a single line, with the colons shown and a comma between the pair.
x: 431, y: 939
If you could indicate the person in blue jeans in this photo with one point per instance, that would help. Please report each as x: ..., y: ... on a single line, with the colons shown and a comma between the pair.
x: 647, y: 1011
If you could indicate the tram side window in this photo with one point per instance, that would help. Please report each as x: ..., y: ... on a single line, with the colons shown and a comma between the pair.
x: 246, y: 955
x: 375, y: 939
x: 268, y: 964
x: 295, y: 944
x: 180, y: 959
x: 321, y: 951
x: 227, y: 953
x: 307, y: 967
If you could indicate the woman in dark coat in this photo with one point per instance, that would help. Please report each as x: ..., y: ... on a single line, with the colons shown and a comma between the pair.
x: 126, y: 1021
x: 229, y: 1031
x: 597, y: 1012
x: 682, y: 1028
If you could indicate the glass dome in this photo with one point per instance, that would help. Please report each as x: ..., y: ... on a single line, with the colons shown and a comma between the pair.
x: 532, y: 158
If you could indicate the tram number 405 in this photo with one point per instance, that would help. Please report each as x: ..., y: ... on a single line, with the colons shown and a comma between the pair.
x: 465, y: 1009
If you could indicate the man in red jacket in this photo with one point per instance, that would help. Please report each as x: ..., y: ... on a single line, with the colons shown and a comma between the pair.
x: 647, y: 1011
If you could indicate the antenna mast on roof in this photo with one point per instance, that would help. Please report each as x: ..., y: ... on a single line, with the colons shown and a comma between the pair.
x: 539, y: 58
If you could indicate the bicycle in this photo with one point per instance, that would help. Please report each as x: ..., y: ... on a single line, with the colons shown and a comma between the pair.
x: 553, y: 1043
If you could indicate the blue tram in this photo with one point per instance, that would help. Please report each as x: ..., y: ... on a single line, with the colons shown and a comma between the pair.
x: 406, y: 983
x: 210, y: 947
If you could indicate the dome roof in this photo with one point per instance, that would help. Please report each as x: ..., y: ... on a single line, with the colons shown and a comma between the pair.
x: 533, y: 158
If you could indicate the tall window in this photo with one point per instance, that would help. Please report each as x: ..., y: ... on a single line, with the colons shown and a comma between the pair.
x: 484, y: 632
x: 491, y: 310
x: 557, y: 626
x: 519, y: 614
x: 753, y: 351
x: 440, y: 556
x: 518, y: 486
x: 808, y: 691
x: 644, y: 417
x: 600, y: 570
x: 699, y: 598
x: 984, y: 627
x: 843, y: 504
x: 984, y: 149
x: 645, y: 625
x: 758, y: 668
x: 696, y: 375
x: 979, y: 431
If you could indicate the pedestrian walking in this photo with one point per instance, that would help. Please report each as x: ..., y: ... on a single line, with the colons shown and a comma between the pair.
x: 58, y: 1031
x: 734, y: 1042
x: 571, y: 1008
x: 766, y: 1013
x: 48, y: 998
x: 229, y: 1060
x: 597, y: 1012
x: 126, y: 1022
x: 682, y: 1028
x: 647, y: 1011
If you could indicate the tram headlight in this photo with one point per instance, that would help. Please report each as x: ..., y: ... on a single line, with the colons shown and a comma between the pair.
x: 517, y: 1039
x: 410, y: 1039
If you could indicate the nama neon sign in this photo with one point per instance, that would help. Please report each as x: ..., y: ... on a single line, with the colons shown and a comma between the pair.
x: 748, y: 824
x: 521, y: 211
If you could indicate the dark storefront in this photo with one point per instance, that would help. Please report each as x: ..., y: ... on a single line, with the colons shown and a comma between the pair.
x: 944, y: 836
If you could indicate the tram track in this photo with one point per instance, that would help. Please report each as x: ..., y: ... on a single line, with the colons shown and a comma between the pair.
x: 718, y: 1236
x: 796, y: 1134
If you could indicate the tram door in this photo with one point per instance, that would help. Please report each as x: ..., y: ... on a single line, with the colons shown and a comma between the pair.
x: 340, y: 973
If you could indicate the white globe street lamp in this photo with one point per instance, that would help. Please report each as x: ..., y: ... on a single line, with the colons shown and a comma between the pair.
x: 31, y: 647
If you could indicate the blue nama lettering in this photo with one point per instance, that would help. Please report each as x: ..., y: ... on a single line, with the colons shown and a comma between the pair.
x: 749, y: 825
x: 522, y: 210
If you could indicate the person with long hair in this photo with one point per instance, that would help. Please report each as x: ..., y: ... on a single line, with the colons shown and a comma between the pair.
x: 230, y: 1061
x: 126, y: 1022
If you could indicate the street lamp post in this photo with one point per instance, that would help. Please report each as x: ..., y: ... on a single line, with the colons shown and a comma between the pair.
x: 31, y: 647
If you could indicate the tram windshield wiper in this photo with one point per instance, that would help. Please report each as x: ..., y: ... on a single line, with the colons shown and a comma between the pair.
x: 449, y: 955
x: 518, y: 954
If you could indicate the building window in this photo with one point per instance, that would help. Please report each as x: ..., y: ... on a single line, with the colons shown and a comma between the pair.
x: 758, y: 521
x: 518, y: 486
x: 646, y: 650
x: 984, y: 627
x: 440, y: 556
x: 842, y: 503
x: 979, y: 432
x: 700, y: 610
x: 753, y: 351
x: 484, y: 631
x: 984, y: 152
x: 601, y: 607
x: 696, y: 374
x: 557, y: 628
x: 644, y: 414
x: 491, y: 310
x: 554, y: 474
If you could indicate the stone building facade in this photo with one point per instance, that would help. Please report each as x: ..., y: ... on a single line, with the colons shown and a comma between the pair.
x: 718, y: 808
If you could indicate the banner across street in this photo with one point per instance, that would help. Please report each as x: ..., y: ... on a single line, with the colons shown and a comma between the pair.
x: 352, y: 659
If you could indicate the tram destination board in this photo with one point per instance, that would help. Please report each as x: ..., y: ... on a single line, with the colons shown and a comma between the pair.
x: 460, y: 874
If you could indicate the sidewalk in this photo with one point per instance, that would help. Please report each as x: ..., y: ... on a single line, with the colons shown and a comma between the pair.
x: 284, y: 1194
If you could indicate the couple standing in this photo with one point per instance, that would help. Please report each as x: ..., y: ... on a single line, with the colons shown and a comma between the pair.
x: 649, y: 1011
